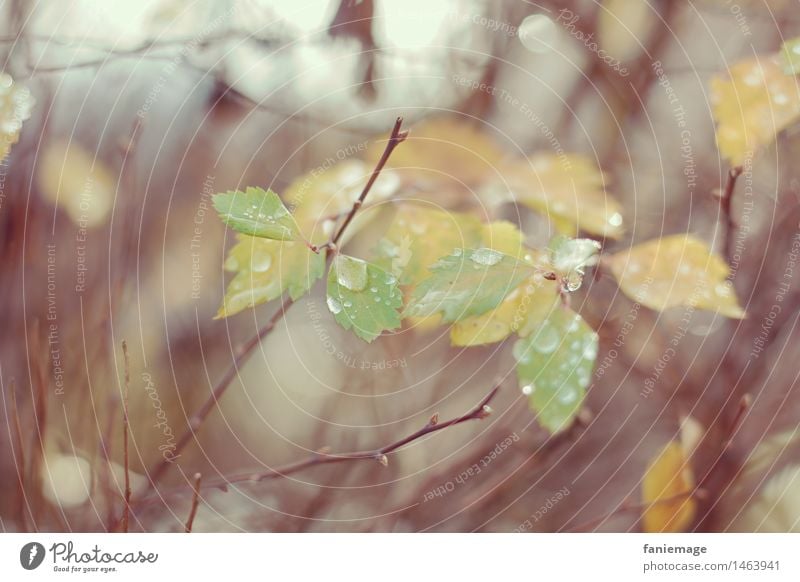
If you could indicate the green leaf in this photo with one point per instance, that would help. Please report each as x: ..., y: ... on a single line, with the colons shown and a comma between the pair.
x: 467, y: 283
x: 790, y: 55
x: 257, y: 213
x: 554, y: 367
x: 265, y: 269
x: 363, y: 297
x: 570, y: 257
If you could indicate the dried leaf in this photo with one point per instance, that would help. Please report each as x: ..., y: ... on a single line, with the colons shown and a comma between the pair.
x: 752, y: 106
x: 673, y: 271
x: 667, y: 489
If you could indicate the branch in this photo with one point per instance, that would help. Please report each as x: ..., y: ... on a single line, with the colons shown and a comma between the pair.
x: 396, y: 138
x: 202, y: 413
x: 195, y: 503
x: 725, y: 199
x: 126, y: 511
x: 481, y: 411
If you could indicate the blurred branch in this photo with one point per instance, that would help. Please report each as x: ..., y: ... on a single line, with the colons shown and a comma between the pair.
x: 126, y: 510
x: 202, y: 413
x: 725, y: 200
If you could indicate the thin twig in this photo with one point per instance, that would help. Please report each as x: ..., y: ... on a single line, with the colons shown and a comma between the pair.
x: 396, y: 138
x: 725, y: 200
x: 195, y: 503
x: 202, y: 413
x: 482, y: 410
x: 126, y: 510
x: 20, y: 454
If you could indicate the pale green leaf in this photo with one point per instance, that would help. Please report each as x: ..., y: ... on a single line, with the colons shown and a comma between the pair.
x: 467, y: 283
x: 256, y: 212
x: 570, y: 257
x: 363, y: 297
x: 554, y: 367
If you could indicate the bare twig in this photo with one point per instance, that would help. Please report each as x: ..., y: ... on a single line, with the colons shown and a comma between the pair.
x: 18, y: 447
x: 482, y: 410
x: 396, y: 138
x: 725, y: 200
x: 202, y: 413
x: 195, y: 503
x: 126, y: 510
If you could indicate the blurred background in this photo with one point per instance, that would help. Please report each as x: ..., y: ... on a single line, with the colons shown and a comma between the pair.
x: 136, y: 112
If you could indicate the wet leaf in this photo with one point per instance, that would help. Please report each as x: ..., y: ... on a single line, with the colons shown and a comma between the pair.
x: 676, y: 270
x: 256, y: 212
x: 570, y: 257
x: 751, y: 106
x: 16, y: 104
x: 363, y: 297
x: 570, y: 190
x: 466, y: 283
x: 519, y: 308
x: 554, y: 366
x: 420, y: 235
x: 265, y: 269
x: 667, y: 486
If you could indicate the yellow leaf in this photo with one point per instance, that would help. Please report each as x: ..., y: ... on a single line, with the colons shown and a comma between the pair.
x: 524, y: 308
x: 667, y: 489
x: 76, y: 181
x: 321, y: 198
x: 673, y: 271
x: 444, y: 149
x: 570, y: 190
x: 264, y: 269
x: 16, y: 104
x: 752, y: 106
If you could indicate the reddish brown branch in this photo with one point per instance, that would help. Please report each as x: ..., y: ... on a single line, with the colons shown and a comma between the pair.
x: 725, y: 200
x: 18, y: 447
x: 126, y: 510
x: 482, y: 410
x: 195, y: 503
x: 202, y: 413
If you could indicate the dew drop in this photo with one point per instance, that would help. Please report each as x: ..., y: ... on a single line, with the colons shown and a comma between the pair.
x: 261, y: 263
x: 547, y: 339
x: 351, y: 273
x: 334, y: 306
x: 537, y: 33
x: 528, y: 389
x: 486, y: 257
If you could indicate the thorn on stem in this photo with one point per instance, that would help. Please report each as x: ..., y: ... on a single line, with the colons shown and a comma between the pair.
x: 383, y: 460
x: 434, y: 419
